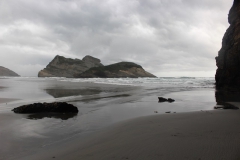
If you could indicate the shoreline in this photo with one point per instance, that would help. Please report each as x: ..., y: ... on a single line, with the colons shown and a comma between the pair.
x: 6, y: 100
x: 101, y: 107
x: 192, y: 135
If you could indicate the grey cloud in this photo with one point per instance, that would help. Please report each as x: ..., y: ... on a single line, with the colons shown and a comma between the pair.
x: 166, y: 37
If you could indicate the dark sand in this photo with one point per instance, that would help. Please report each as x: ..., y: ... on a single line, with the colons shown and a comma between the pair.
x: 210, y: 135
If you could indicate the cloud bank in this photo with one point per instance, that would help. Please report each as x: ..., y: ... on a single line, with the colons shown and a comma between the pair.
x: 166, y: 37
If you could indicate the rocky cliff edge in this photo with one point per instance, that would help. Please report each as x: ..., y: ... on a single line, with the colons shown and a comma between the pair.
x: 117, y: 70
x: 67, y: 67
x: 228, y: 59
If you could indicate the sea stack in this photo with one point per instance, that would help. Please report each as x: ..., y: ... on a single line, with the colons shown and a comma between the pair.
x: 228, y: 59
x: 67, y: 67
x: 90, y: 67
x: 117, y: 70
x: 7, y: 72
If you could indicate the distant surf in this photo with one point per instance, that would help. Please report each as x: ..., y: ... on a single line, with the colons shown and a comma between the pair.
x: 189, y: 82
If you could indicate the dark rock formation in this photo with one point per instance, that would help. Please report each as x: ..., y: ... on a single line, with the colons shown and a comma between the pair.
x: 226, y: 106
x: 223, y: 96
x: 170, y: 100
x: 229, y: 106
x: 7, y: 72
x: 67, y: 67
x: 59, y: 107
x: 161, y: 99
x: 228, y: 59
x: 117, y: 70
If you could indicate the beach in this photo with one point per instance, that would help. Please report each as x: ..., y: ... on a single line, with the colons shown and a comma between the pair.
x: 117, y: 120
x: 196, y: 135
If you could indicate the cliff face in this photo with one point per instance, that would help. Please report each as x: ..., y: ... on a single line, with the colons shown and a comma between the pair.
x: 7, y: 72
x: 67, y: 67
x: 117, y: 70
x: 228, y: 59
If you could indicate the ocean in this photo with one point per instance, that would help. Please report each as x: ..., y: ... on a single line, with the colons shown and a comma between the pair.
x: 101, y: 103
x: 192, y: 82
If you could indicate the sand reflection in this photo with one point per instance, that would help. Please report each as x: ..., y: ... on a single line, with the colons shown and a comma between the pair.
x: 58, y: 93
x: 61, y: 116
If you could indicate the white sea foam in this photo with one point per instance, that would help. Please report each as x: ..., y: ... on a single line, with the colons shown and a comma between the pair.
x: 189, y: 82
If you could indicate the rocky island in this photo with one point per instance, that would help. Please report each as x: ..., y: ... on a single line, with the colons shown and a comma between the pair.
x: 228, y: 59
x: 67, y: 67
x: 117, y: 70
x: 7, y: 72
x: 90, y: 67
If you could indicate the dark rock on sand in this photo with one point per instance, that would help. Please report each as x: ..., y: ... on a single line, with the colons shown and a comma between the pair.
x: 161, y: 99
x: 67, y: 67
x: 229, y: 106
x: 223, y: 96
x: 228, y: 59
x: 117, y: 70
x: 170, y: 100
x: 59, y: 107
x: 226, y: 106
x: 7, y: 72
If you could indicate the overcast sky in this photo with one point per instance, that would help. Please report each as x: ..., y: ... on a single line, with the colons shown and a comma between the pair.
x: 166, y: 37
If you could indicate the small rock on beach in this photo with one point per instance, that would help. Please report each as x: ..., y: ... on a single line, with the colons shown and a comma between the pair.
x: 162, y: 99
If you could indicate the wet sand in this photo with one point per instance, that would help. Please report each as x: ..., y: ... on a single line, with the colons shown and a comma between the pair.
x: 197, y: 135
x: 108, y: 124
x: 6, y: 100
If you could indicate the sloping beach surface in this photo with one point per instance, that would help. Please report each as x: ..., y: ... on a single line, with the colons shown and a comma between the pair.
x: 102, y: 104
x: 199, y: 135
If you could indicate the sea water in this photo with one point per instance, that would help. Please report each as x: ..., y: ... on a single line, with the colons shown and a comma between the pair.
x: 188, y: 82
x: 33, y: 89
x: 101, y: 103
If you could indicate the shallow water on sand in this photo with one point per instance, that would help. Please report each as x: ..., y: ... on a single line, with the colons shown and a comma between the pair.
x: 100, y: 105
